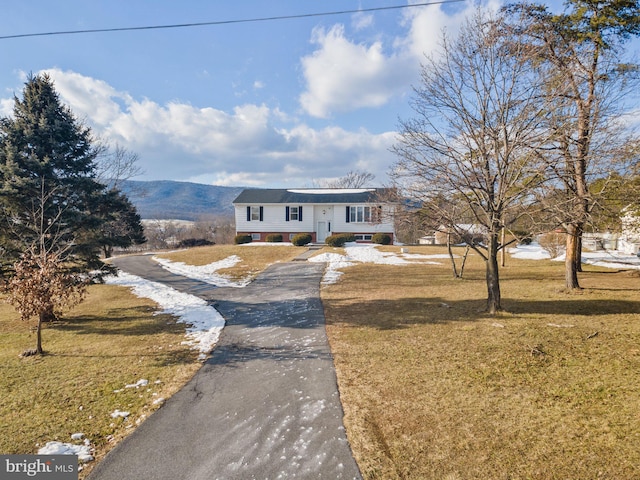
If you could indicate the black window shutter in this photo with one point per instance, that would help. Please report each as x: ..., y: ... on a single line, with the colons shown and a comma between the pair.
x: 261, y: 213
x: 248, y: 214
x: 286, y: 214
x: 300, y: 213
x: 348, y: 216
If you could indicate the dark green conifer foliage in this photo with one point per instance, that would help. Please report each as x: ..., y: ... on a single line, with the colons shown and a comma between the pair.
x: 47, y: 179
x: 55, y: 216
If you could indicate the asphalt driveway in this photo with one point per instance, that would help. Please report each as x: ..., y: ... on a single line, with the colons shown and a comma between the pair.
x: 265, y: 405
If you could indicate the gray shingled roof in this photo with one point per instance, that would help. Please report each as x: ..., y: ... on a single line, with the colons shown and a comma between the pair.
x: 311, y: 195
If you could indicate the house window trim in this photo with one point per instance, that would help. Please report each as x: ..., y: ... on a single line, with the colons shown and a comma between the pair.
x: 255, y: 213
x: 293, y: 213
x: 361, y: 213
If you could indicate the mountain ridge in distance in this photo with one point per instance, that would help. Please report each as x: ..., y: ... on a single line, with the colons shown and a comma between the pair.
x: 173, y: 200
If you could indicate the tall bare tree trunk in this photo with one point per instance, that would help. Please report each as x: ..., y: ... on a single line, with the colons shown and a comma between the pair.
x: 503, y: 260
x: 572, y: 256
x: 451, y: 257
x: 493, y: 276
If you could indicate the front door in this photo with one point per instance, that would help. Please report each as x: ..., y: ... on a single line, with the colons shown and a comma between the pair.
x: 321, y: 234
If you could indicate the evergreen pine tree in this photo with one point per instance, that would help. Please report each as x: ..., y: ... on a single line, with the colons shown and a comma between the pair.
x: 47, y: 179
x: 53, y: 210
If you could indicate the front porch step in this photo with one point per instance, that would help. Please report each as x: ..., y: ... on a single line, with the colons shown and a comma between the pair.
x: 311, y: 249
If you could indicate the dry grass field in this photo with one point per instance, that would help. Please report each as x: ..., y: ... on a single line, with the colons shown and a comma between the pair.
x: 434, y: 389
x: 111, y: 340
x: 254, y: 258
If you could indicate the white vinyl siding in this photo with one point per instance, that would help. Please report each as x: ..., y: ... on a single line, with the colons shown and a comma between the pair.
x: 274, y: 220
x: 379, y: 219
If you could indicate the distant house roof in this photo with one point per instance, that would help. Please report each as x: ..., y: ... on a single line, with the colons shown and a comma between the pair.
x: 311, y: 195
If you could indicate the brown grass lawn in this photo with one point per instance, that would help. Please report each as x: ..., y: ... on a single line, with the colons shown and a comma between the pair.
x: 255, y: 258
x: 111, y: 340
x: 434, y: 389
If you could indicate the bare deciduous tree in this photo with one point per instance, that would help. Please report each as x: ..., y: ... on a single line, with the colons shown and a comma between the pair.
x: 353, y: 179
x: 469, y: 154
x: 42, y: 283
x: 577, y: 53
x: 116, y: 165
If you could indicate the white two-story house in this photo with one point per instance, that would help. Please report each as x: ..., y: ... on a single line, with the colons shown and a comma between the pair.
x: 316, y: 211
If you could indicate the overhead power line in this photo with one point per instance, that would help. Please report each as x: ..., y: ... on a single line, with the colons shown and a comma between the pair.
x: 225, y: 22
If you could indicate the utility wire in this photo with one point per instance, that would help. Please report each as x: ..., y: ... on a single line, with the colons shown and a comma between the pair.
x: 225, y: 22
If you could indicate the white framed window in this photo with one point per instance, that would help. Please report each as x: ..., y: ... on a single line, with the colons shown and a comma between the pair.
x: 364, y: 214
x: 366, y: 237
x: 255, y: 237
x: 360, y: 214
x: 293, y: 214
x: 255, y: 214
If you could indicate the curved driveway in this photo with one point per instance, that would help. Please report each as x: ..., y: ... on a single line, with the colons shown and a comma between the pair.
x: 265, y: 405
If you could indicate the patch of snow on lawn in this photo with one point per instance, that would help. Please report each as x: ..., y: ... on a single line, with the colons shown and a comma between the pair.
x: 204, y: 322
x: 205, y: 273
x: 58, y: 448
x: 604, y: 258
x: 611, y: 259
x: 140, y: 383
x: 357, y: 253
x: 334, y: 262
x: 119, y: 413
x: 533, y: 251
x: 368, y: 253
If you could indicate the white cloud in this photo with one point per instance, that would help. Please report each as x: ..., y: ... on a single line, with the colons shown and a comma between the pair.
x: 6, y: 107
x: 89, y: 97
x: 250, y: 145
x: 342, y: 75
x: 362, y: 20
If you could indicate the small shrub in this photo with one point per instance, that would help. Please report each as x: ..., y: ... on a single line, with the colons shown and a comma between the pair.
x: 301, y: 239
x: 553, y: 243
x: 194, y: 242
x: 242, y: 238
x: 381, y: 239
x: 339, y: 239
x: 273, y: 237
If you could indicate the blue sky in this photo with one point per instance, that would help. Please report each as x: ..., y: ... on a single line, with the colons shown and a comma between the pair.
x: 287, y: 103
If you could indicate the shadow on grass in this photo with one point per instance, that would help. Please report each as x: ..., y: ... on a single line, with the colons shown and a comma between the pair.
x: 122, y: 321
x: 398, y: 314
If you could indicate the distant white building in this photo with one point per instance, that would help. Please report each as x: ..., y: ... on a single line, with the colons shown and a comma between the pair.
x: 462, y: 231
x: 629, y: 240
